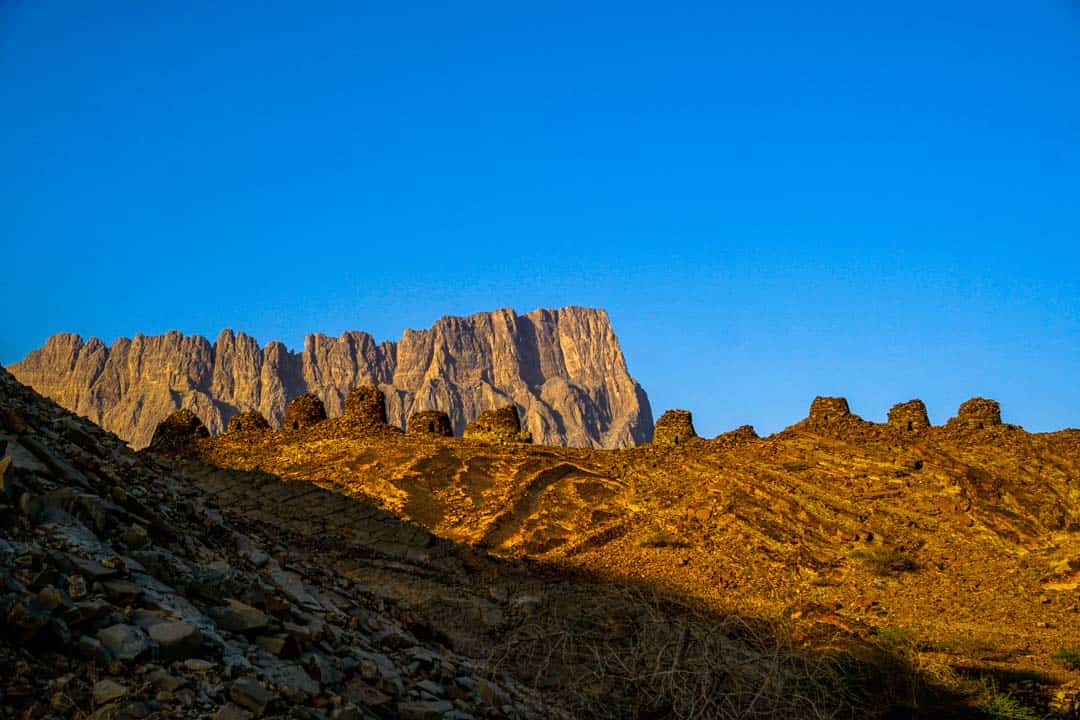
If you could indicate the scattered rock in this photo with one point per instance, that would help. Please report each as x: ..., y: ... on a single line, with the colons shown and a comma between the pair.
x: 106, y: 691
x: 251, y: 694
x: 26, y: 620
x: 232, y: 712
x: 136, y: 537
x: 235, y: 616
x: 93, y: 650
x: 125, y: 642
x: 424, y: 709
x: 293, y: 681
x: 121, y: 592
x: 176, y: 640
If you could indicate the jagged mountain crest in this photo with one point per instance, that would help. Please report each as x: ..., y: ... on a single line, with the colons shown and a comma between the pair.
x: 564, y: 369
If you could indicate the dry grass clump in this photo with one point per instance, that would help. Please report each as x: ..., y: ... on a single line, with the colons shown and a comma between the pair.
x: 1068, y: 658
x: 634, y: 654
x: 886, y: 561
x: 659, y: 538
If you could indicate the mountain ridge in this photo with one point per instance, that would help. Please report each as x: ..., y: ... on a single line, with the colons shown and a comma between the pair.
x: 563, y: 368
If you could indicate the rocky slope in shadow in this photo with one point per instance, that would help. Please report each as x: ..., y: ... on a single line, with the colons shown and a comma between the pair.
x: 563, y: 369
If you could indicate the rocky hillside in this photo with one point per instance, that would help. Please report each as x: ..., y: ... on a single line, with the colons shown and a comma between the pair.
x: 563, y: 369
x: 959, y: 544
x: 126, y: 592
x: 145, y: 585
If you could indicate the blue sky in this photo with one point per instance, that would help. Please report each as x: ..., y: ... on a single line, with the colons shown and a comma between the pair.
x: 773, y: 200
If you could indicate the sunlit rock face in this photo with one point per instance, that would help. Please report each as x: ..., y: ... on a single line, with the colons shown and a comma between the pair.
x: 563, y: 369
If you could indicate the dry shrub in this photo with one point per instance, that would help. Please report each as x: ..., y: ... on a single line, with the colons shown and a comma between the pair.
x: 621, y: 653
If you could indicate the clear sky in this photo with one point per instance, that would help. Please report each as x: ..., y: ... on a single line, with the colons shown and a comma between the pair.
x: 773, y: 200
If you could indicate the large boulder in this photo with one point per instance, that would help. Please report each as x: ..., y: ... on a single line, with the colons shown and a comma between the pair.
x: 177, y: 431
x: 431, y: 422
x: 675, y: 427
x: 303, y: 411
x: 501, y: 425
x: 250, y: 421
x: 977, y: 413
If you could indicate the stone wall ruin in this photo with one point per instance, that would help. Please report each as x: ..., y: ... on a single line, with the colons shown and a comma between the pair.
x: 304, y: 411
x: 675, y: 427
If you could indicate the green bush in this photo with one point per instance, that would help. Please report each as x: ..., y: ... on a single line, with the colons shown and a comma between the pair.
x: 997, y: 705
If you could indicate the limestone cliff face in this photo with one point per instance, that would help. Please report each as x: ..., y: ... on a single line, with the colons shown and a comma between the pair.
x: 564, y: 370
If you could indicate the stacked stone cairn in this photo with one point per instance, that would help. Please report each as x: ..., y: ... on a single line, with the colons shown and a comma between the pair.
x: 741, y: 433
x: 675, y: 427
x: 824, y: 410
x: 431, y: 422
x: 909, y: 416
x: 501, y: 425
x: 365, y: 407
x: 247, y: 422
x: 977, y: 414
x: 304, y: 411
x: 177, y: 431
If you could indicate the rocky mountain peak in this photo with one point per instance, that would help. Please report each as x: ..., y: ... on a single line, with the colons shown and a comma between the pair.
x: 563, y: 369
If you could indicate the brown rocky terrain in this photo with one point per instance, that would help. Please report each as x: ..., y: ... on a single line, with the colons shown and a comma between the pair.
x: 127, y: 591
x: 958, y: 545
x: 563, y: 369
x: 151, y: 585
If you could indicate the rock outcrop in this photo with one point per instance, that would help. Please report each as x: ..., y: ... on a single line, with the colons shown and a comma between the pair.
x: 977, y: 413
x: 430, y: 422
x: 563, y: 368
x: 674, y: 427
x: 247, y: 421
x: 304, y: 411
x: 909, y: 416
x: 501, y: 425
